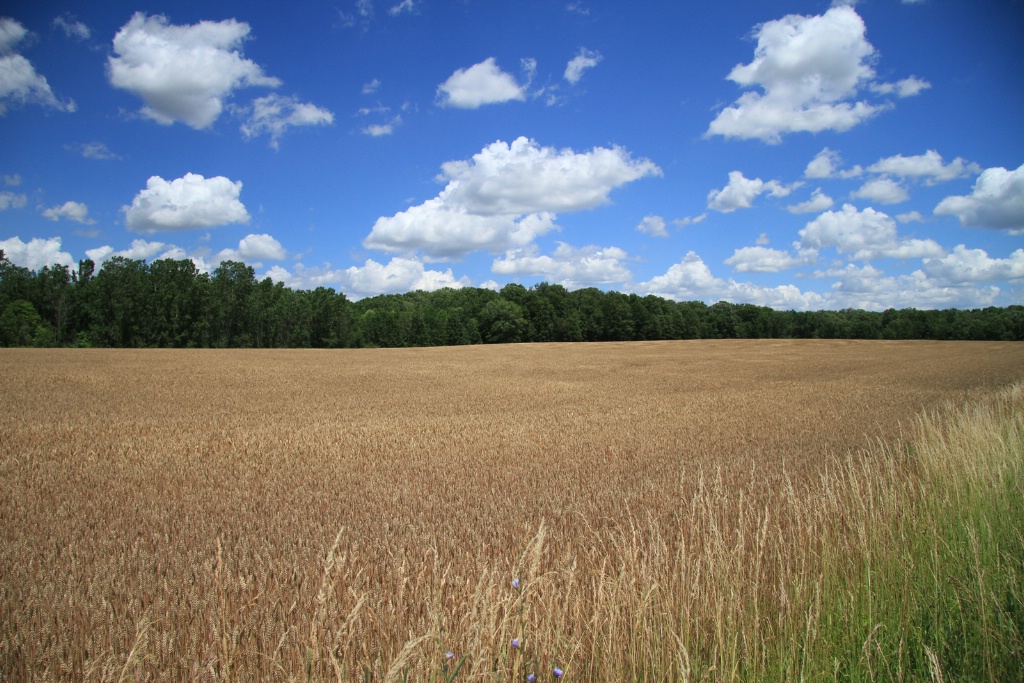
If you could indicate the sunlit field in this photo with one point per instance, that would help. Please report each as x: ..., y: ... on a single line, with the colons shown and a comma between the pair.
x: 693, y: 510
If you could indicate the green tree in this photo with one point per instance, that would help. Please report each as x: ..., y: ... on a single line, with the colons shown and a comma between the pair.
x: 503, y: 322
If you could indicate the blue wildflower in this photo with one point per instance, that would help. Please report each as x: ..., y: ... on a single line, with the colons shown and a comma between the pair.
x: 515, y: 584
x: 558, y: 672
x: 515, y: 643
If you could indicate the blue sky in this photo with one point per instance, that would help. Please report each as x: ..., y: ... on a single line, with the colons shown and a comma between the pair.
x: 800, y: 155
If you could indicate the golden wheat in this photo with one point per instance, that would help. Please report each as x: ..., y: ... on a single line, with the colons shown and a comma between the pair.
x: 330, y: 515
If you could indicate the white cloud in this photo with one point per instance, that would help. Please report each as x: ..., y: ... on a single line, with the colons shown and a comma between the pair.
x: 406, y: 6
x: 36, y: 253
x: 741, y: 192
x: 882, y: 190
x: 183, y: 73
x: 12, y: 180
x: 964, y: 265
x: 11, y: 200
x: 691, y: 279
x: 818, y: 202
x: 908, y: 87
x: 524, y: 177
x: 997, y: 201
x: 505, y: 197
x: 185, y: 204
x: 653, y: 225
x: 868, y: 288
x: 399, y: 275
x: 569, y: 266
x: 371, y: 87
x: 762, y: 259
x: 72, y: 28
x: 810, y: 68
x: 380, y: 129
x: 93, y: 150
x: 928, y: 166
x: 274, y: 114
x: 910, y: 217
x: 826, y: 165
x: 257, y: 247
x: 863, y: 235
x: 585, y: 59
x: 73, y: 211
x: 19, y: 81
x: 480, y: 84
x: 689, y: 220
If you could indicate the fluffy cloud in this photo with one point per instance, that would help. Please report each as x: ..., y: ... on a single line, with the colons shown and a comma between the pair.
x: 863, y: 235
x: 818, y: 202
x: 505, y: 197
x: 480, y: 84
x: 997, y: 201
x: 868, y: 288
x: 185, y: 204
x: 19, y: 81
x: 691, y: 279
x: 586, y: 59
x: 881, y: 190
x: 653, y: 225
x: 398, y: 276
x: 826, y: 165
x: 36, y: 253
x: 256, y: 247
x: 10, y: 200
x: 569, y: 266
x: 810, y: 68
x: 741, y: 192
x: 183, y: 73
x: 928, y: 167
x: 766, y: 260
x: 908, y: 87
x: 964, y: 265
x: 273, y: 114
x: 72, y: 211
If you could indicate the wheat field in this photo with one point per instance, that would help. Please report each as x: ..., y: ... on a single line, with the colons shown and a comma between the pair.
x: 668, y: 510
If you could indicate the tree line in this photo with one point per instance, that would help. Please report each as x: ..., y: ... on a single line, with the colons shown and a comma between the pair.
x: 168, y: 303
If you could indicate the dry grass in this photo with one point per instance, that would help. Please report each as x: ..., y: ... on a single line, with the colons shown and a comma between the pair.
x: 669, y: 507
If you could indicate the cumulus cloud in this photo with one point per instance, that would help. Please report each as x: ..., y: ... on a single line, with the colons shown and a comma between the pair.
x: 377, y: 130
x: 997, y: 201
x: 963, y: 265
x: 505, y: 197
x: 273, y: 114
x: 569, y: 266
x: 809, y: 70
x: 881, y: 190
x: 399, y: 275
x: 869, y: 288
x: 928, y: 167
x: 691, y: 279
x: 185, y: 203
x: 762, y: 259
x: 480, y: 84
x: 183, y: 73
x: 36, y: 253
x: 863, y: 235
x: 818, y: 202
x: 585, y: 59
x: 826, y: 165
x: 257, y: 247
x: 72, y: 211
x: 653, y: 225
x: 19, y: 82
x: 741, y: 192
x: 11, y: 200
